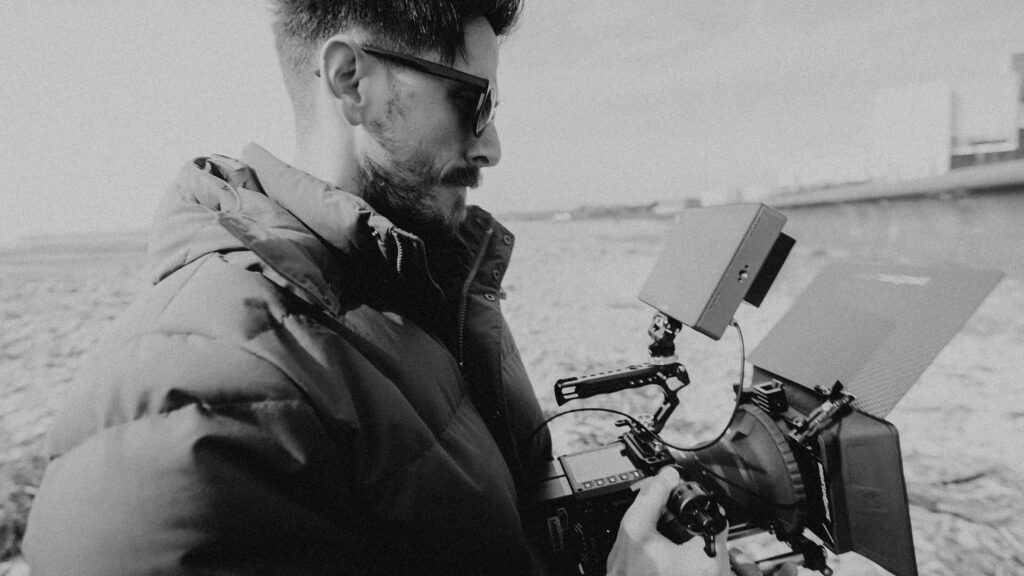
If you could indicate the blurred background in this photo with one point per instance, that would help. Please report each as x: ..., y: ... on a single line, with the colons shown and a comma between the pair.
x: 602, y: 102
x: 886, y: 132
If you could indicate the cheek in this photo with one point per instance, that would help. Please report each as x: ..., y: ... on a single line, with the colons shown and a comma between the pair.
x: 413, y: 126
x: 430, y: 119
x: 389, y: 131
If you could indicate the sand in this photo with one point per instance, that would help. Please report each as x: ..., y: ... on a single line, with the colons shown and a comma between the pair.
x: 571, y: 302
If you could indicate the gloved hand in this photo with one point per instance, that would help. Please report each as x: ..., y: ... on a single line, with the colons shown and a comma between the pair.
x: 640, y: 550
x: 743, y: 566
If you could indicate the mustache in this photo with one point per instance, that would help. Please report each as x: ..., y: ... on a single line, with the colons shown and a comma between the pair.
x: 467, y: 176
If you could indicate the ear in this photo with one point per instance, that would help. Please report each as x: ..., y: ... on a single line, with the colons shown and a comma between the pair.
x: 343, y: 68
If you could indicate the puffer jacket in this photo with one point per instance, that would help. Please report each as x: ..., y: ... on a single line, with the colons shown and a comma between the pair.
x: 252, y: 413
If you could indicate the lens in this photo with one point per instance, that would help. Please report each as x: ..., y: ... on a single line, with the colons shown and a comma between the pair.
x: 484, y: 112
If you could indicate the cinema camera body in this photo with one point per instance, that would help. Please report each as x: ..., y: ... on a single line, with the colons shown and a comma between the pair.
x: 807, y: 455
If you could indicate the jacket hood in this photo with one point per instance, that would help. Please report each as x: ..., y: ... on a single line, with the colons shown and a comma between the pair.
x: 296, y: 223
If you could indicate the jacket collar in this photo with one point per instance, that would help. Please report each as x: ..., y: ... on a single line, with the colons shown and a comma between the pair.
x: 342, y: 220
x: 303, y: 228
x: 347, y: 222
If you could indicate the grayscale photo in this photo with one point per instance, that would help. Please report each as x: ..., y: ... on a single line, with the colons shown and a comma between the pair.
x: 524, y: 287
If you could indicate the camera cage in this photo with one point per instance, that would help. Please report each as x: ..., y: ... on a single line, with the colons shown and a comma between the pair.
x: 805, y: 453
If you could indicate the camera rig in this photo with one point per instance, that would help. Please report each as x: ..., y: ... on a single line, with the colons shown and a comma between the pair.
x: 806, y: 455
x: 766, y: 492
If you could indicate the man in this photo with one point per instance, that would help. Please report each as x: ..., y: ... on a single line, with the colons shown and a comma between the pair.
x: 320, y: 380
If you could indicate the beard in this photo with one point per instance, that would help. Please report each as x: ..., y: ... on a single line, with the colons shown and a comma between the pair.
x: 410, y: 196
x: 409, y: 199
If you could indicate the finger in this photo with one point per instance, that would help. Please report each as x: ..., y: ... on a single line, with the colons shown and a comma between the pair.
x: 652, y: 498
x: 741, y: 565
x: 722, y: 559
x: 668, y: 471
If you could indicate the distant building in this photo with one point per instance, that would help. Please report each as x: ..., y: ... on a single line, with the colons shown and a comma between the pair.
x: 928, y: 129
x: 923, y: 132
x: 671, y: 208
x: 929, y: 139
x: 991, y: 125
x: 825, y: 172
x: 614, y: 211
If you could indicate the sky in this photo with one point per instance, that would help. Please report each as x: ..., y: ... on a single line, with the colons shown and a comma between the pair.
x: 603, y: 101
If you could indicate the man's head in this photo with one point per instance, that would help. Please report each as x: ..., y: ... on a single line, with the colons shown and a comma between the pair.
x: 402, y: 133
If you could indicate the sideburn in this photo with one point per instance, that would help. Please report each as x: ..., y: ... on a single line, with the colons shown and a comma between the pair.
x: 401, y: 193
x: 394, y: 112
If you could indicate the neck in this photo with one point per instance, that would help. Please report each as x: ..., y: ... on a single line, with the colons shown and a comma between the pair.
x: 329, y: 157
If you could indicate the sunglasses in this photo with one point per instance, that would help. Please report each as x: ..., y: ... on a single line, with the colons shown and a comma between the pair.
x: 483, y: 115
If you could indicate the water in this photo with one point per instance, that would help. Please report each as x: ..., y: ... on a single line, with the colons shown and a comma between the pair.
x: 980, y: 231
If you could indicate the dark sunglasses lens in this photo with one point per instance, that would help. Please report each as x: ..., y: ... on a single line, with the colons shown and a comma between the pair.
x: 484, y: 112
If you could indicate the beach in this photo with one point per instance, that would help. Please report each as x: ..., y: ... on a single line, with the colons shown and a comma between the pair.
x: 571, y: 301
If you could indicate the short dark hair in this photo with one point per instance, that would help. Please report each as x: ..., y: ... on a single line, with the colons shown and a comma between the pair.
x: 403, y: 25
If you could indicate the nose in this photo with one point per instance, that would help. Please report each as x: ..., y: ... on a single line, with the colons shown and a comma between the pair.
x: 485, y: 151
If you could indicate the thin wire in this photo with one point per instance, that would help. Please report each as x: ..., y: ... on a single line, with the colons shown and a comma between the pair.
x: 736, y: 405
x: 560, y: 414
x: 721, y: 434
x: 735, y: 409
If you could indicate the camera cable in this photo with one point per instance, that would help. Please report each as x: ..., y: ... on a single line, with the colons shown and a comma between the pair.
x: 564, y: 412
x: 736, y: 404
x: 735, y: 409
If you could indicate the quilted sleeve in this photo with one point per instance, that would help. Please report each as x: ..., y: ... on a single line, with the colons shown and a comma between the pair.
x: 246, y: 488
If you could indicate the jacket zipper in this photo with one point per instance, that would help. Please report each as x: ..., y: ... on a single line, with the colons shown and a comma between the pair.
x: 464, y: 301
x: 398, y: 255
x: 399, y: 260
